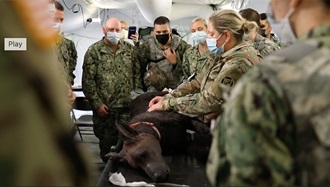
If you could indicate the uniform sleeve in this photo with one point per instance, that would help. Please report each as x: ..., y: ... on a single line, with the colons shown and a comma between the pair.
x: 88, y: 78
x: 210, y: 99
x: 269, y: 48
x: 186, y: 65
x: 188, y: 88
x: 73, y: 61
x: 141, y: 53
x: 137, y: 78
x: 191, y: 87
x: 255, y: 129
x: 182, y: 48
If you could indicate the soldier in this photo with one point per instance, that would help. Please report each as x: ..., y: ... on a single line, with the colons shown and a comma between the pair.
x: 160, y: 57
x: 195, y: 57
x: 61, y: 53
x: 124, y: 34
x: 65, y: 48
x: 260, y: 43
x: 124, y: 29
x: 36, y: 148
x: 266, y: 29
x: 109, y: 75
x: 275, y: 129
x: 202, y: 97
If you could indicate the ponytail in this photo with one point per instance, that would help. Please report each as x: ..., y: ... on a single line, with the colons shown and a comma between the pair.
x: 249, y: 26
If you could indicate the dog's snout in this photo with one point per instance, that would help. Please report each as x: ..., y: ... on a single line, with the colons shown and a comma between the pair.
x: 159, y: 176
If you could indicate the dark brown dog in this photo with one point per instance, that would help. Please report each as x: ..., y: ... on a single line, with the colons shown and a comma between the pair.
x: 149, y: 136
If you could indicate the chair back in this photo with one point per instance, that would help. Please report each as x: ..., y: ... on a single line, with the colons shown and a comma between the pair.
x: 81, y: 103
x: 86, y: 120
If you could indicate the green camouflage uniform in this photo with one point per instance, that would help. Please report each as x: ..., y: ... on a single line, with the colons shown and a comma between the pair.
x: 203, y: 95
x: 67, y: 56
x: 36, y: 148
x: 278, y: 41
x: 157, y: 72
x: 264, y: 45
x: 108, y: 78
x: 193, y: 61
x: 275, y: 130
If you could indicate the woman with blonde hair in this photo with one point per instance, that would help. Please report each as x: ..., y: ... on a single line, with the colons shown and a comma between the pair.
x: 195, y: 57
x: 231, y: 57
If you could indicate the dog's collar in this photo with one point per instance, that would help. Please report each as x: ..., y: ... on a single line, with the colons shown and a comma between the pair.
x: 148, y: 123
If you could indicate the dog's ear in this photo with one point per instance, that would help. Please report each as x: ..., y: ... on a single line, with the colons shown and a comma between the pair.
x: 126, y: 132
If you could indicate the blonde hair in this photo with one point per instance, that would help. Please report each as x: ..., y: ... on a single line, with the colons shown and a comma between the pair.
x: 201, y: 20
x: 122, y: 22
x: 231, y: 21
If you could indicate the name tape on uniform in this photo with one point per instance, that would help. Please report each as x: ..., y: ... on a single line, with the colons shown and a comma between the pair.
x: 15, y: 44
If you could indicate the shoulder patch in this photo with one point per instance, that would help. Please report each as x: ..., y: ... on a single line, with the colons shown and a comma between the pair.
x: 227, y: 81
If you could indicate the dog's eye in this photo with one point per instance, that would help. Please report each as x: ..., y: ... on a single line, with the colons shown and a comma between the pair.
x: 142, y: 156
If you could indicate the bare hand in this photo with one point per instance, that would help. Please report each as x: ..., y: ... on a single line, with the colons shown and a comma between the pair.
x: 170, y: 55
x: 135, y: 37
x: 71, y: 96
x: 155, y: 100
x: 156, y: 106
x: 103, y: 110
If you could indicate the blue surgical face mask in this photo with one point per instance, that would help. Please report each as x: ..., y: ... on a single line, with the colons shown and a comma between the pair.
x: 212, y: 45
x: 113, y: 37
x: 199, y: 37
x: 283, y: 27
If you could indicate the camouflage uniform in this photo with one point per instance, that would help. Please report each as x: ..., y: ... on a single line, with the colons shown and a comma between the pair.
x: 278, y: 41
x: 203, y: 95
x: 264, y: 45
x: 108, y: 78
x: 156, y: 71
x: 275, y: 129
x: 36, y: 148
x: 193, y: 61
x: 67, y: 56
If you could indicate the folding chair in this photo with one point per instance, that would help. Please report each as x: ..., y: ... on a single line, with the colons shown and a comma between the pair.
x: 82, y: 106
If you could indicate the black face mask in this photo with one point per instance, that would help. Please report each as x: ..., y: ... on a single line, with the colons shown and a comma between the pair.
x: 163, y: 38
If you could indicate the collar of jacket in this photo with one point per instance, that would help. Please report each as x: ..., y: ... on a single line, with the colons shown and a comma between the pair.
x: 237, y: 47
x: 106, y: 49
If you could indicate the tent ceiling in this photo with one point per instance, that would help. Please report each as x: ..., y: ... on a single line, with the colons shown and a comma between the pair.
x: 142, y: 11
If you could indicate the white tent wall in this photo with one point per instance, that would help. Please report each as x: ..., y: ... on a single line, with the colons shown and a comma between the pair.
x: 182, y: 12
